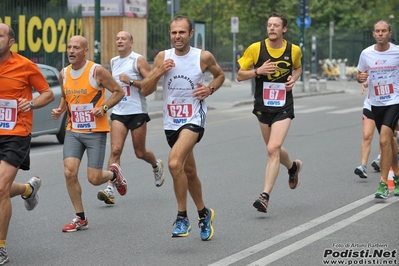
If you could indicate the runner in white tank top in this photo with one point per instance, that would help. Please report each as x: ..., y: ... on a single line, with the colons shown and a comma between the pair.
x: 133, y: 102
x: 183, y: 69
x: 130, y: 114
x: 181, y: 107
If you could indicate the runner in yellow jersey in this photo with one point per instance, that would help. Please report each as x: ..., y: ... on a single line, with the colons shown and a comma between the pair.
x: 276, y: 65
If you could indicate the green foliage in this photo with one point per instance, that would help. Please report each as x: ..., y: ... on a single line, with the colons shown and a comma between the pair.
x: 353, y: 22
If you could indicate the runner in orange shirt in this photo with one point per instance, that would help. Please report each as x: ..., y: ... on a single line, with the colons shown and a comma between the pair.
x: 83, y: 85
x: 17, y: 77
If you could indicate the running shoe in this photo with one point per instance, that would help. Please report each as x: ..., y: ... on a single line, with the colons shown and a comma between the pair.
x: 376, y: 165
x: 205, y: 224
x: 382, y: 192
x: 159, y: 174
x: 32, y: 201
x: 75, y: 225
x: 261, y: 204
x: 396, y: 185
x: 293, y: 180
x: 182, y: 228
x: 106, y: 195
x: 3, y: 256
x: 361, y: 171
x: 120, y: 181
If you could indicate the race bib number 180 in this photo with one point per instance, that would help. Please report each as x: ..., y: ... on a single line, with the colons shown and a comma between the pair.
x: 384, y: 90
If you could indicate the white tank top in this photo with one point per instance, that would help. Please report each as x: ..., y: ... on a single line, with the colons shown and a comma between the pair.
x: 133, y: 102
x: 181, y: 107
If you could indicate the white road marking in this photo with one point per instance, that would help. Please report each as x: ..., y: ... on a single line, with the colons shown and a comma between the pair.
x: 322, y: 233
x: 316, y: 109
x: 349, y: 110
x: 304, y: 227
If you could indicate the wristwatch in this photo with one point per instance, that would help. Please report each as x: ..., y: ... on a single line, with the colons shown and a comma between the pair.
x: 105, y: 108
x: 31, y: 105
x: 131, y: 82
x: 212, y: 90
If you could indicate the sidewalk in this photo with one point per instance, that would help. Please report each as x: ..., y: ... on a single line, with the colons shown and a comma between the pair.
x: 234, y: 93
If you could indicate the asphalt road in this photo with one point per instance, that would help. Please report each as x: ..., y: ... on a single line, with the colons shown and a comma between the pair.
x: 331, y: 215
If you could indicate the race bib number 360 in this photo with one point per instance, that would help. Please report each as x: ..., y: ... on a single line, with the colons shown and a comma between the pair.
x: 81, y: 116
x: 8, y: 114
x: 274, y: 94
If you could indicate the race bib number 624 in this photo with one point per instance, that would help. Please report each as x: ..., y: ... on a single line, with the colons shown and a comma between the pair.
x: 181, y: 107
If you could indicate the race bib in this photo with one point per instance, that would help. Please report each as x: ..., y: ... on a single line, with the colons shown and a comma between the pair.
x: 274, y: 94
x: 127, y: 90
x: 383, y: 90
x: 8, y: 114
x: 180, y: 107
x: 81, y: 117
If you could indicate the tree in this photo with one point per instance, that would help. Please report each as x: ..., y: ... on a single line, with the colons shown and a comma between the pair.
x: 352, y: 19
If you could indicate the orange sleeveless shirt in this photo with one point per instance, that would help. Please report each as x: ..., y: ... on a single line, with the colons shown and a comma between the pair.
x: 80, y: 97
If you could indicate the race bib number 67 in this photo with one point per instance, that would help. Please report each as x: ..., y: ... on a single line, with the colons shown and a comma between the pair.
x: 274, y: 94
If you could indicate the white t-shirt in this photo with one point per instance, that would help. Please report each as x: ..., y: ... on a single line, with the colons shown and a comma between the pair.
x: 383, y: 70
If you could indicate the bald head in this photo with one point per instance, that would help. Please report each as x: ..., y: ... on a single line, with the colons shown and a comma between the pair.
x: 79, y: 39
x: 77, y: 50
x: 125, y: 34
x: 124, y: 43
x: 7, y: 30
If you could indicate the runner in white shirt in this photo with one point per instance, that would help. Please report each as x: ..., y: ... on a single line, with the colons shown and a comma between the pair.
x: 130, y: 114
x: 185, y: 111
x: 379, y: 65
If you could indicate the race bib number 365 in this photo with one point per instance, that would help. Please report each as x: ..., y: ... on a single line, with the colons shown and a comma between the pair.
x: 81, y: 116
x: 274, y: 94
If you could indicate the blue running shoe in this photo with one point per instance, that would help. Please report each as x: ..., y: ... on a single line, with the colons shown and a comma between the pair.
x: 182, y: 228
x: 361, y: 171
x: 376, y: 165
x: 206, y: 225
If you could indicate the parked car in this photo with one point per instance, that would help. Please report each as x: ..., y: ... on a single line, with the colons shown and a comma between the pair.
x: 43, y: 122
